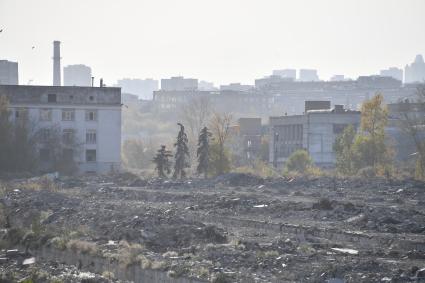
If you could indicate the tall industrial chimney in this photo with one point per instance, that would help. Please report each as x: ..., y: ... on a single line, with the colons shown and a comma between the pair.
x: 56, y: 63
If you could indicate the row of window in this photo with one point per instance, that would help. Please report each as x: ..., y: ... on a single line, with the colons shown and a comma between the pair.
x: 67, y: 115
x: 68, y: 136
x: 67, y: 154
x: 52, y: 98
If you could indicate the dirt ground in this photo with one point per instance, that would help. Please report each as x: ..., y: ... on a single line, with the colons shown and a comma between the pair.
x: 234, y: 228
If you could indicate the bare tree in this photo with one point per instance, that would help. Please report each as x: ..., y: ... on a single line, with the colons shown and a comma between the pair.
x: 220, y: 128
x: 195, y: 115
x: 412, y: 123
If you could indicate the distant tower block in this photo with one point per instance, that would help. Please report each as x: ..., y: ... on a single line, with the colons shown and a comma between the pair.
x: 56, y: 63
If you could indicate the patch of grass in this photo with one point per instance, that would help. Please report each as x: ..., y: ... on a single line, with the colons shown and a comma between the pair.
x: 158, y: 265
x: 108, y: 274
x: 202, y: 272
x: 129, y: 254
x: 59, y: 243
x: 144, y: 261
x: 40, y: 184
x: 83, y: 247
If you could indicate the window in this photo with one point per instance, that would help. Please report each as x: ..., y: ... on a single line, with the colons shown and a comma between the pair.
x: 21, y: 113
x: 68, y: 136
x: 68, y: 154
x: 339, y: 128
x: 91, y: 137
x: 45, y: 135
x: 44, y: 154
x: 68, y: 114
x: 91, y: 115
x: 90, y: 155
x: 51, y: 98
x: 45, y: 115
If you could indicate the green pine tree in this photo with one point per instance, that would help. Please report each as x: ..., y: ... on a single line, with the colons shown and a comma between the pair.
x: 203, y: 151
x: 182, y: 154
x: 162, y: 162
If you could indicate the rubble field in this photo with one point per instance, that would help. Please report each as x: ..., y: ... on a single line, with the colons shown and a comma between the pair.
x: 233, y: 228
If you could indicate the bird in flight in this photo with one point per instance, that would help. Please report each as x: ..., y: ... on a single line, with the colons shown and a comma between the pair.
x: 33, y: 47
x: 1, y: 30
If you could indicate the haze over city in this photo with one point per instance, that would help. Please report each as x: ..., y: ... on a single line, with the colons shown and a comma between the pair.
x: 220, y: 141
x: 220, y: 41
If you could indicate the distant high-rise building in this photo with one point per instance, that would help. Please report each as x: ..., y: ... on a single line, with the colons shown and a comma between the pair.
x: 142, y: 88
x: 308, y: 75
x: 393, y: 72
x: 415, y: 72
x: 8, y: 73
x: 179, y: 84
x: 337, y: 78
x: 206, y: 86
x: 236, y: 87
x: 286, y: 73
x: 76, y: 75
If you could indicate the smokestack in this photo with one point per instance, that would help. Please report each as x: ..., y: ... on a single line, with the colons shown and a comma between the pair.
x: 56, y: 63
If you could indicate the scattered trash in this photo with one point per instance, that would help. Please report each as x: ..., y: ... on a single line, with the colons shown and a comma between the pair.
x: 29, y: 261
x: 346, y: 251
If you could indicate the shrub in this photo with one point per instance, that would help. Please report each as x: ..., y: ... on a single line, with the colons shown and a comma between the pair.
x: 59, y: 243
x: 83, y: 247
x: 299, y: 161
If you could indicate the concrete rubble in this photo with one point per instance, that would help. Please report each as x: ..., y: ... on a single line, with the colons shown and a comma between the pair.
x: 234, y: 228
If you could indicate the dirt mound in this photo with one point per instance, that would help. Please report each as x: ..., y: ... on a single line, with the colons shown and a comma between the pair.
x: 239, y: 179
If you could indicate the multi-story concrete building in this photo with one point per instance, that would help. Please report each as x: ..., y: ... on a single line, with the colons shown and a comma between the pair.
x: 415, y: 72
x: 206, y: 86
x: 239, y: 103
x: 8, y: 73
x: 237, y: 87
x: 315, y: 131
x: 289, y: 96
x: 89, y: 115
x: 250, y: 134
x: 142, y: 88
x: 337, y: 78
x: 393, y: 72
x: 286, y: 73
x: 179, y: 84
x: 77, y: 75
x: 308, y: 75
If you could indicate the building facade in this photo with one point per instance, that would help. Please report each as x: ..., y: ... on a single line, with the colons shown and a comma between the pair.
x: 308, y: 75
x: 179, y: 84
x: 77, y: 75
x: 415, y: 72
x: 286, y: 73
x: 90, y: 116
x: 250, y: 135
x: 393, y: 72
x: 8, y: 73
x: 143, y: 88
x: 315, y: 131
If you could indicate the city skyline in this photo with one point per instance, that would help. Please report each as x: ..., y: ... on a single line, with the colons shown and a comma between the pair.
x: 158, y: 39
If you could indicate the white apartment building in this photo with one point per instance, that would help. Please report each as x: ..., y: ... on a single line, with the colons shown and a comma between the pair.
x: 89, y: 115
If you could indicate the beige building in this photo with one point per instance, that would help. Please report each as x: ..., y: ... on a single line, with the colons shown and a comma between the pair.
x: 314, y: 131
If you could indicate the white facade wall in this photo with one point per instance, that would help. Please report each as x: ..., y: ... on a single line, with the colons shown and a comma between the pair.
x: 107, y: 127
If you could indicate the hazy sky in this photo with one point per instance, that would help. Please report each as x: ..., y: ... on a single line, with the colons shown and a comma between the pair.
x: 215, y: 40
